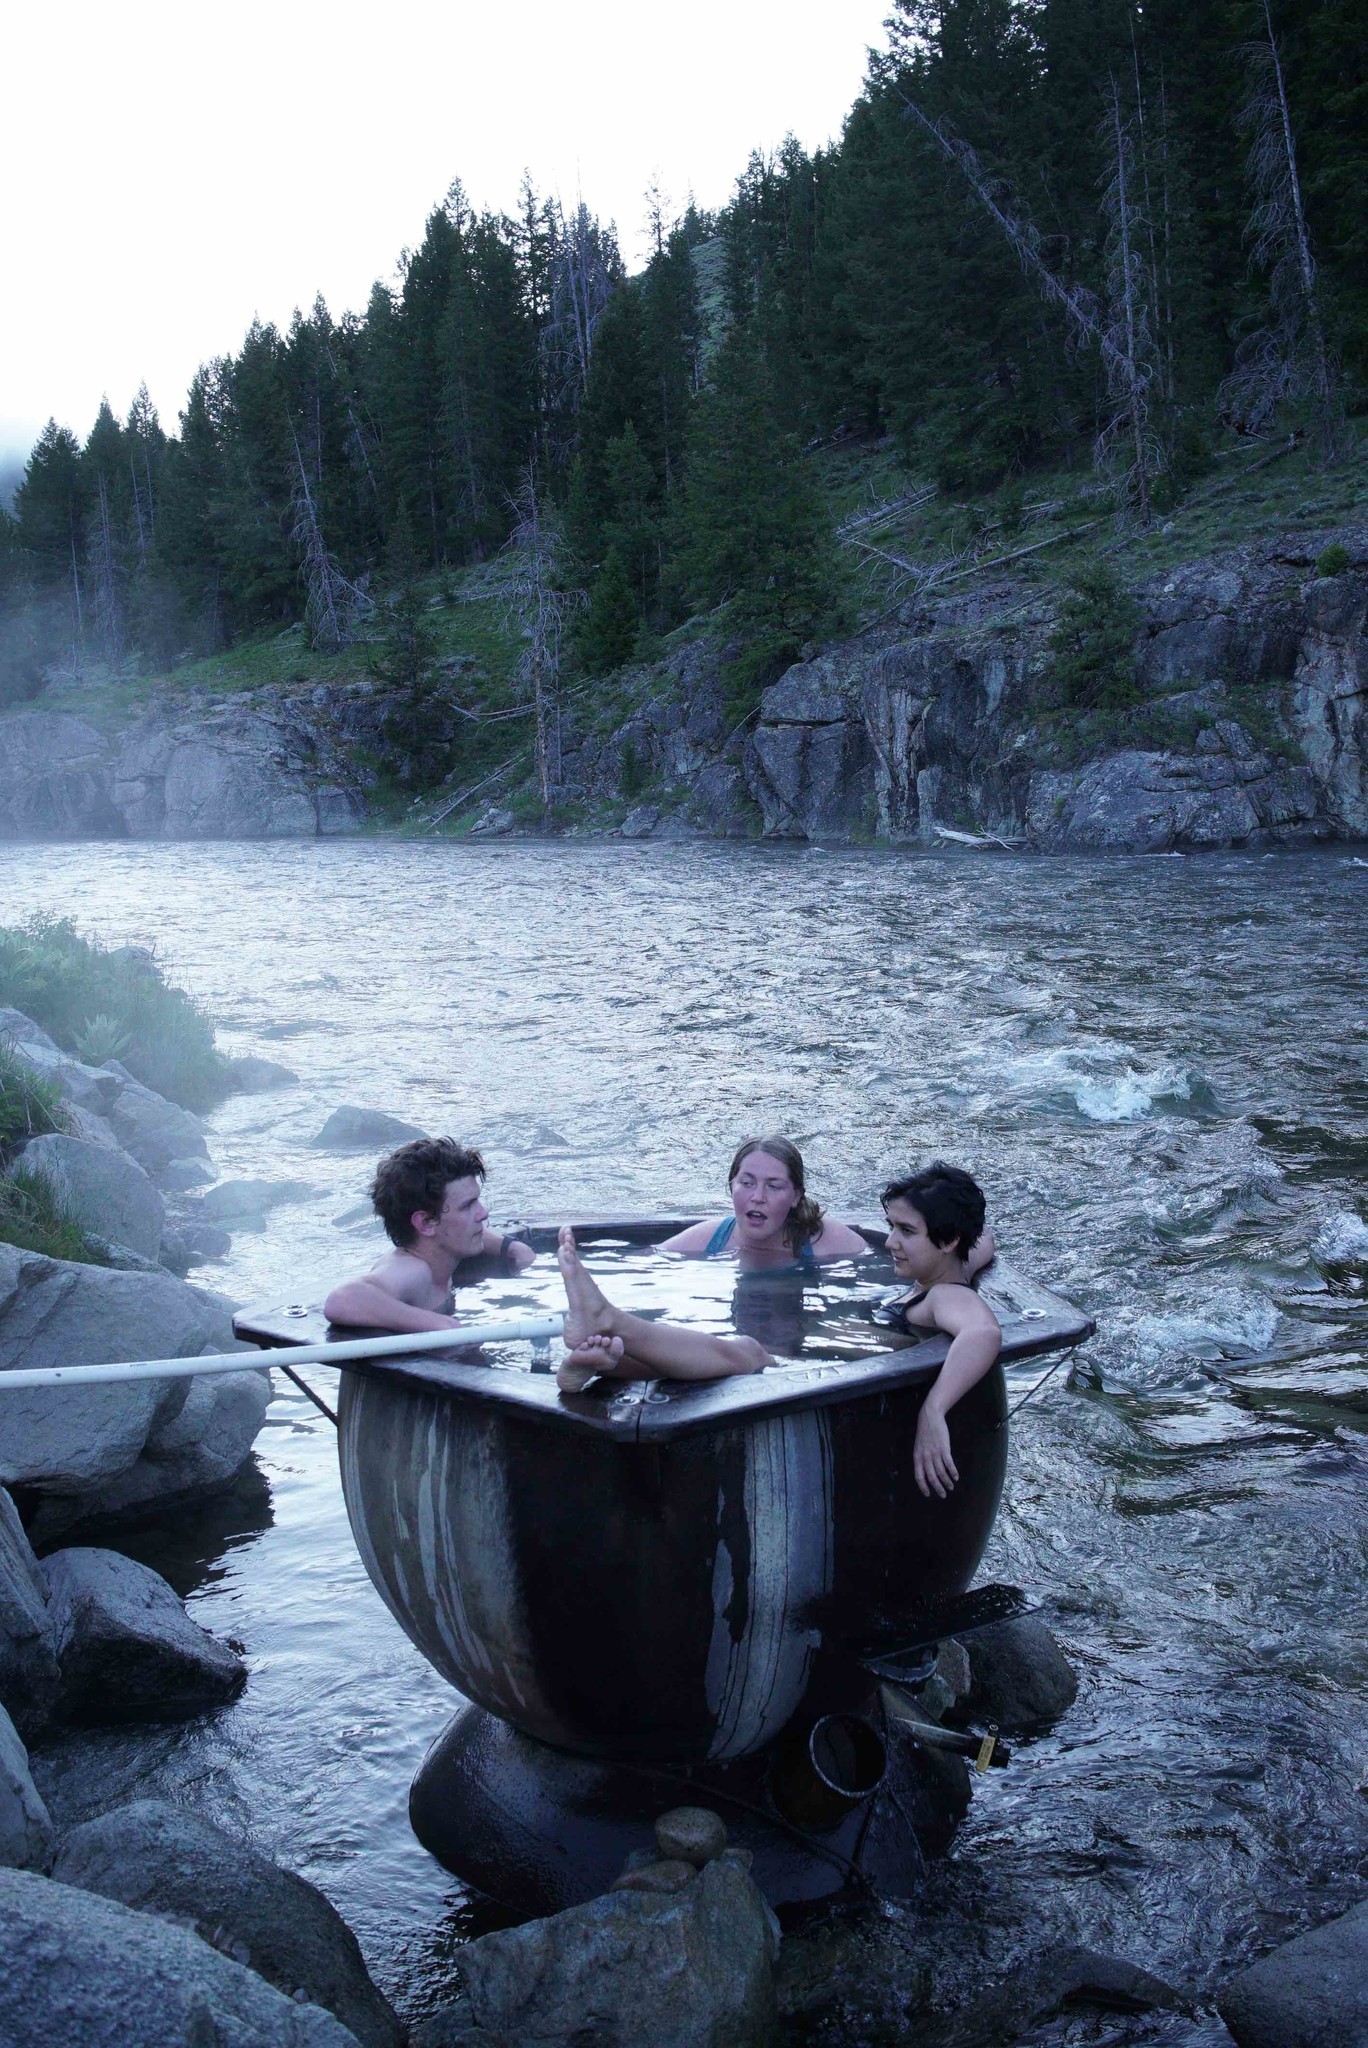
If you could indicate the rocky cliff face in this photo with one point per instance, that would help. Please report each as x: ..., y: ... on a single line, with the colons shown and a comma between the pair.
x: 1251, y: 669
x: 1249, y: 730
x: 249, y: 768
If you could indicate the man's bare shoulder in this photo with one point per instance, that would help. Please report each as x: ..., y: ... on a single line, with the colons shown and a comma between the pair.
x: 405, y: 1277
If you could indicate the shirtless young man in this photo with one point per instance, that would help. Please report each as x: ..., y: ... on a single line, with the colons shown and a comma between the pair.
x: 427, y: 1195
x: 935, y: 1227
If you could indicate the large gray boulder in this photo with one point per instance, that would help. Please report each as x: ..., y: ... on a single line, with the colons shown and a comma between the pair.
x: 1018, y: 1675
x: 126, y: 1648
x: 154, y: 1130
x: 26, y: 1830
x: 29, y: 1677
x: 350, y: 1129
x: 54, y: 1312
x: 1310, y: 1993
x: 196, y: 1446
x: 78, y: 1971
x: 90, y: 1088
x: 106, y: 1192
x: 163, y: 1860
x: 692, y: 1968
x: 14, y: 1024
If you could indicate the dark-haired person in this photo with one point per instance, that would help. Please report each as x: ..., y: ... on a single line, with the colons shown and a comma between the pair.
x: 428, y: 1196
x: 935, y: 1220
x: 774, y: 1221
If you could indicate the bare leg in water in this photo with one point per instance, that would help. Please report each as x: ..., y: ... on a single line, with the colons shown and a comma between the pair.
x: 600, y: 1338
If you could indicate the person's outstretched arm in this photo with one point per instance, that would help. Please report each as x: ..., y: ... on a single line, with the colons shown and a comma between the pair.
x: 976, y: 1339
x: 365, y: 1305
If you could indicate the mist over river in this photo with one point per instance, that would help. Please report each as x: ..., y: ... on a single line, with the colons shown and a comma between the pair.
x: 1159, y: 1070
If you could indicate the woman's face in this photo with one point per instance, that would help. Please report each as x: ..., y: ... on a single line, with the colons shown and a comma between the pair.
x: 762, y: 1196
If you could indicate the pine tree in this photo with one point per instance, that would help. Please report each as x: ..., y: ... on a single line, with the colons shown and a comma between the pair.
x: 607, y: 635
x: 752, y: 530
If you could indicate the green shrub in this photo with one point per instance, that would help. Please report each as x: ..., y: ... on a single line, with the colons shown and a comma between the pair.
x: 101, y: 1038
x: 29, y: 1106
x: 1334, y: 560
x: 68, y: 985
x: 32, y: 1218
x: 1092, y: 649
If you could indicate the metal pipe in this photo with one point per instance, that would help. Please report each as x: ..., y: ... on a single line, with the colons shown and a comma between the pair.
x: 528, y: 1330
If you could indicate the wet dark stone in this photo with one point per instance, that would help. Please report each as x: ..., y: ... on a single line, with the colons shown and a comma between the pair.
x: 1018, y: 1675
x: 162, y: 1860
x: 1311, y: 1993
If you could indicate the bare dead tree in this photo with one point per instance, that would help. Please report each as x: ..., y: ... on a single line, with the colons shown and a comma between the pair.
x: 540, y: 608
x: 1086, y: 322
x: 584, y: 266
x: 332, y: 604
x: 1288, y: 358
x: 1131, y: 357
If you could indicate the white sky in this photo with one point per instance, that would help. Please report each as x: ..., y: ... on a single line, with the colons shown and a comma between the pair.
x: 170, y: 170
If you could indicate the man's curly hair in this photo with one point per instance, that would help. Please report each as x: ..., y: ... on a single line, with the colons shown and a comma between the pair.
x: 415, y: 1177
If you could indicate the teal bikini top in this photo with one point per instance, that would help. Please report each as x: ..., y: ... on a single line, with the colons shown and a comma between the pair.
x: 804, y: 1261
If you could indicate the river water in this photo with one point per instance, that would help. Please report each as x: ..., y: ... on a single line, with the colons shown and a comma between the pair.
x: 1159, y: 1070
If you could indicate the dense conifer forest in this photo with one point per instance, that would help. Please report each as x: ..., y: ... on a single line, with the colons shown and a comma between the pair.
x: 1055, y: 234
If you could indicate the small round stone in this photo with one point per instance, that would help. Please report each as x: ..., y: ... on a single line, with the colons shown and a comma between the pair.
x: 695, y: 1833
x: 669, y: 1874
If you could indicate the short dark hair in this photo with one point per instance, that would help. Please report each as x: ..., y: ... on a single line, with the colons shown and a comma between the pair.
x: 415, y: 1177
x: 949, y: 1201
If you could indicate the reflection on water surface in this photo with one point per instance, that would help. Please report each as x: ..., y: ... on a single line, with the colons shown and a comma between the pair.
x: 1159, y: 1070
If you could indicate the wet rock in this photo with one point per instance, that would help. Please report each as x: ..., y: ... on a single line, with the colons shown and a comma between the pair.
x: 1019, y: 1675
x: 694, y: 1833
x: 190, y: 1241
x: 640, y: 822
x: 352, y: 1130
x: 693, y: 1969
x: 161, y: 1859
x: 29, y: 1677
x: 179, y: 1176
x: 660, y: 1874
x: 1310, y: 1993
x: 106, y: 1192
x: 1060, y: 1977
x: 242, y: 1204
x: 154, y: 1130
x: 26, y: 1830
x: 54, y: 1312
x: 452, y: 2027
x: 199, y: 1448
x: 77, y: 1971
x: 125, y: 1646
x: 252, y: 1075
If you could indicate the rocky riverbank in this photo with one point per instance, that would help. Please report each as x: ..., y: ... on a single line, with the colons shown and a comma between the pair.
x: 1244, y: 727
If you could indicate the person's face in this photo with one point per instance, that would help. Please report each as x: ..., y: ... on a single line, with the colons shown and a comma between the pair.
x: 459, y: 1229
x: 762, y: 1196
x: 914, y: 1256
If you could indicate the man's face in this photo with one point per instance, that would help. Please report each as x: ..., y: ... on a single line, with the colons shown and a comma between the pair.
x: 909, y: 1244
x: 459, y: 1229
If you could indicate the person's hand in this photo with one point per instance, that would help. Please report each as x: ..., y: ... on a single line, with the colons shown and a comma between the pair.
x: 932, y: 1464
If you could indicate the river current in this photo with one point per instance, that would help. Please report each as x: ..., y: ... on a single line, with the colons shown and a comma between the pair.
x: 1159, y: 1070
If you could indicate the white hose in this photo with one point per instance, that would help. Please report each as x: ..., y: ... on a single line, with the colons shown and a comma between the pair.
x: 530, y: 1329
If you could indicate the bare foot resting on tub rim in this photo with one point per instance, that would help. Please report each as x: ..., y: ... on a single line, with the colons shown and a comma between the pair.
x: 601, y: 1339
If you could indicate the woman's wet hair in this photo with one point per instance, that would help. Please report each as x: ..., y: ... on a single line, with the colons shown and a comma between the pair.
x: 415, y: 1177
x: 804, y: 1219
x: 948, y: 1200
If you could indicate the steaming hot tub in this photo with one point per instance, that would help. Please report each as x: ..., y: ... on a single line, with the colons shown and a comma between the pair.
x: 659, y: 1572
